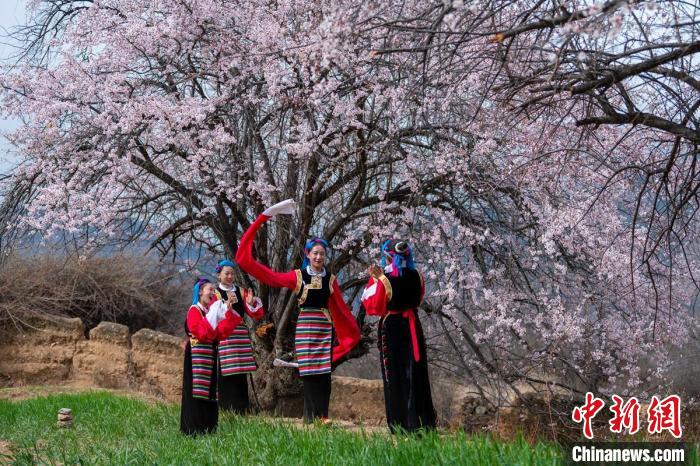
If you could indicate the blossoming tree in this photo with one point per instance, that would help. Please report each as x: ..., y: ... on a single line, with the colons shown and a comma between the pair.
x: 178, y: 122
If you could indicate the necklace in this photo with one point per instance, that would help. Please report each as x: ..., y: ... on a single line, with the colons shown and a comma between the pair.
x: 313, y: 273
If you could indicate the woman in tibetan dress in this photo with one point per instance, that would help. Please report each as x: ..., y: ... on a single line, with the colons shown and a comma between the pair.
x: 323, y: 315
x: 236, y: 358
x: 204, y: 327
x: 394, y: 294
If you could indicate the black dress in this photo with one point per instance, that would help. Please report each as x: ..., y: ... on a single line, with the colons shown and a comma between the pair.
x: 313, y: 342
x: 407, y: 394
x: 197, y: 415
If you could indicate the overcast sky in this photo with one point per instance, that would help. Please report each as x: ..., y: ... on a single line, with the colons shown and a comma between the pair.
x: 11, y: 14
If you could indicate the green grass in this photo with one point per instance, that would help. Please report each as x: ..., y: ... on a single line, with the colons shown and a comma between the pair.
x: 112, y: 429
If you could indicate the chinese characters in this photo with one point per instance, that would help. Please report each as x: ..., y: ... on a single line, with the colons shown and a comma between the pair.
x: 662, y: 415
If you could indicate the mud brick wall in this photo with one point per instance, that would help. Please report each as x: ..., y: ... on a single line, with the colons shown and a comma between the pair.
x: 55, y: 351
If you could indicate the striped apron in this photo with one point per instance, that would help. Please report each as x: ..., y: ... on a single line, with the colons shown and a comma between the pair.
x: 202, y: 369
x: 313, y: 341
x: 236, y: 352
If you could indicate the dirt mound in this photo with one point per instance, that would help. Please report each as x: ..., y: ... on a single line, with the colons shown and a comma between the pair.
x: 543, y: 415
x: 103, y: 360
x: 157, y: 363
x: 42, y: 355
x: 357, y: 400
x: 5, y: 450
x: 55, y: 351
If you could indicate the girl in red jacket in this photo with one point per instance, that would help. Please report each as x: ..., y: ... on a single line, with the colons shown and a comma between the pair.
x: 200, y: 410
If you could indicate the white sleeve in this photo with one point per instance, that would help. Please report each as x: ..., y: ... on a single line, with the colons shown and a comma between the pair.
x: 216, y: 313
x: 257, y: 304
x: 285, y: 207
x: 369, y: 291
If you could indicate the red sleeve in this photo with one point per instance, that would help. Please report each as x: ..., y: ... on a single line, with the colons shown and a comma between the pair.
x: 346, y: 328
x: 263, y: 274
x: 256, y: 314
x: 374, y: 298
x: 199, y: 326
x: 225, y: 327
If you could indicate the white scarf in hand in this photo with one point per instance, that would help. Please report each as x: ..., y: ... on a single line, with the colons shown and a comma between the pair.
x: 216, y: 313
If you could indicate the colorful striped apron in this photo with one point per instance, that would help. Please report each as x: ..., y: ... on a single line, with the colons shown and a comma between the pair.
x: 202, y: 369
x: 236, y: 352
x: 313, y: 341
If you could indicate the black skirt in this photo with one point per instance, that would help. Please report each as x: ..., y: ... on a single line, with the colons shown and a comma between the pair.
x: 407, y: 395
x: 233, y: 393
x: 317, y: 396
x: 197, y: 416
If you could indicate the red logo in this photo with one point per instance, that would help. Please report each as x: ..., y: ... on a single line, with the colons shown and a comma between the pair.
x: 661, y: 415
x: 587, y: 412
x: 626, y: 415
x: 665, y: 415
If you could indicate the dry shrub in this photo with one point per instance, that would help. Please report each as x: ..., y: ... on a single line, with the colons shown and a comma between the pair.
x: 134, y: 291
x: 544, y: 415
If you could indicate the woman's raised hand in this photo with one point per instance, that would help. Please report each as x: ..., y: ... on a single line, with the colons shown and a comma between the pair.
x: 375, y: 271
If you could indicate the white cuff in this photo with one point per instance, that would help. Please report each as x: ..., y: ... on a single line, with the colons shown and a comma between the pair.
x: 287, y: 207
x: 281, y: 363
x: 369, y: 291
x: 257, y: 304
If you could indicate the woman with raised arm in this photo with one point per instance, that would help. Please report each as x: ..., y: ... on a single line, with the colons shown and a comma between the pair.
x: 204, y: 327
x: 322, y: 312
x: 236, y: 359
x: 394, y: 294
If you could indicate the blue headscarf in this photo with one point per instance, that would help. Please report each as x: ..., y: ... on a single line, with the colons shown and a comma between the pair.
x: 400, y: 254
x: 195, y: 291
x: 307, y: 248
x: 224, y: 263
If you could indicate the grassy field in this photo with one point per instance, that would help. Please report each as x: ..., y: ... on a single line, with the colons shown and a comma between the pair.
x: 113, y: 429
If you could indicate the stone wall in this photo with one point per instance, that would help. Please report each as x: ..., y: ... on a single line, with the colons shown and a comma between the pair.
x: 44, y: 354
x: 55, y: 351
x: 157, y: 360
x: 104, y: 359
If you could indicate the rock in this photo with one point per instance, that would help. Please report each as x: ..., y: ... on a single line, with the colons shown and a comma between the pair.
x: 157, y: 363
x: 470, y: 409
x: 110, y: 332
x: 103, y: 360
x: 151, y: 340
x: 67, y: 327
x: 65, y: 417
